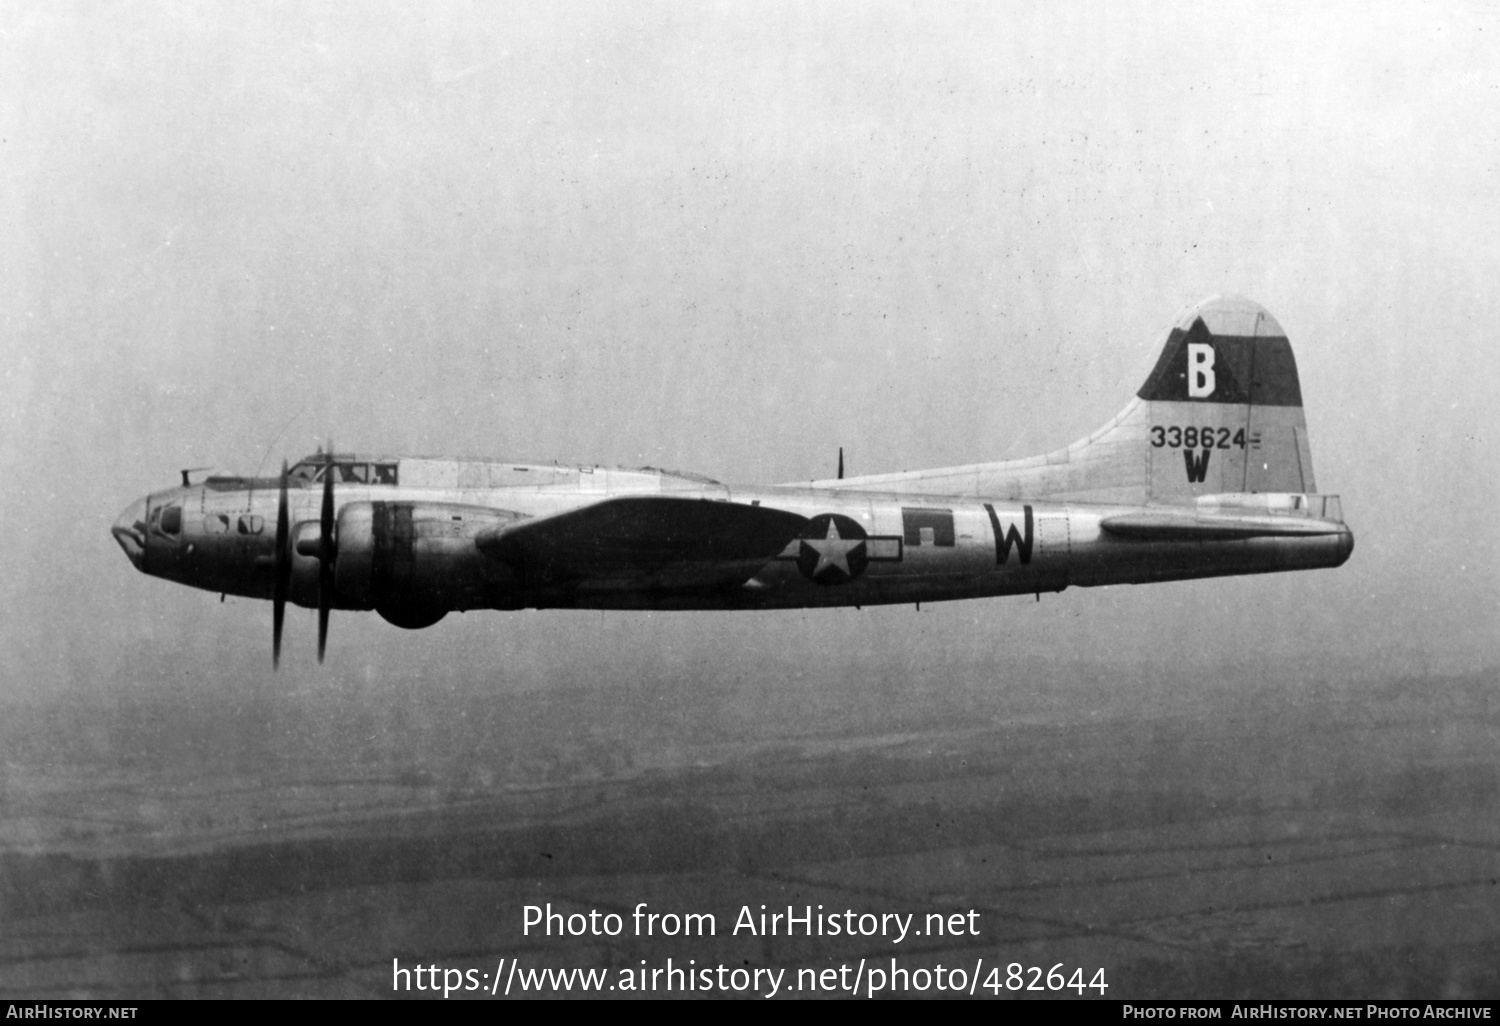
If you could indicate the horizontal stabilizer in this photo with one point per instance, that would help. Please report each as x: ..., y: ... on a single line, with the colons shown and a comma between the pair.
x: 1186, y: 526
x: 651, y: 541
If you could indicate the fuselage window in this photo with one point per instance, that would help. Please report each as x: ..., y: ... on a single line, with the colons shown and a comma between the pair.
x: 171, y: 520
x: 252, y: 523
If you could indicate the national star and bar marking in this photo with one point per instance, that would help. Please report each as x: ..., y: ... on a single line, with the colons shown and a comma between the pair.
x: 834, y: 549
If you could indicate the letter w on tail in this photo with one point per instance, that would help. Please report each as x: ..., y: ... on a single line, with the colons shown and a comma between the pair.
x: 1197, y: 467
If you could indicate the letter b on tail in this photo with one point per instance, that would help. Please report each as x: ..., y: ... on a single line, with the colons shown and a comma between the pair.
x: 1200, y: 375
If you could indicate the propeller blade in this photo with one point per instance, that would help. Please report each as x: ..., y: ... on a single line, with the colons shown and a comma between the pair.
x: 283, y: 570
x: 327, y: 551
x: 322, y: 625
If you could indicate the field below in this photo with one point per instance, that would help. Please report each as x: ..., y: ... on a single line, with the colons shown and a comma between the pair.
x: 1264, y: 835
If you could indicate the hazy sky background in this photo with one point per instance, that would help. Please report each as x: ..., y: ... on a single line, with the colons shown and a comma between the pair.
x: 731, y: 238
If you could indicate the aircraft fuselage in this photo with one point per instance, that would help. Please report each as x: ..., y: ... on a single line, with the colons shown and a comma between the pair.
x: 1206, y: 472
x: 859, y: 549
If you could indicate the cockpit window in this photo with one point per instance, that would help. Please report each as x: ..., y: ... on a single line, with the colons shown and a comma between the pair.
x: 310, y: 471
x: 305, y: 472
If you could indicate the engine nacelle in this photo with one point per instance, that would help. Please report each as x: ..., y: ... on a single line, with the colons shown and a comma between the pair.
x: 415, y: 561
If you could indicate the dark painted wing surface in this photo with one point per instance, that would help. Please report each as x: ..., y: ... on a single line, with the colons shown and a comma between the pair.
x: 656, y: 542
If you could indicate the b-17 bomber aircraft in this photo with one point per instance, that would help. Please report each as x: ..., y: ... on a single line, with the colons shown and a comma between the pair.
x: 1205, y: 473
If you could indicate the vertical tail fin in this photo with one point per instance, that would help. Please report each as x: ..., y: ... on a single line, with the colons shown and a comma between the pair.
x: 1224, y: 407
x: 1220, y: 413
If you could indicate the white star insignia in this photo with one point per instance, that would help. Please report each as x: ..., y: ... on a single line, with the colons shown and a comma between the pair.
x: 833, y: 550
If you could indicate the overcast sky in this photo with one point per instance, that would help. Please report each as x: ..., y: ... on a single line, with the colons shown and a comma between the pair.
x: 731, y: 238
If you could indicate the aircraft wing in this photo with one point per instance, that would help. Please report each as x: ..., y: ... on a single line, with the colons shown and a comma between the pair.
x: 1188, y: 526
x: 650, y: 541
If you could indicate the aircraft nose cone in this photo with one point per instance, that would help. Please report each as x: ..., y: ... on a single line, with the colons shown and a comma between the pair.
x: 130, y: 531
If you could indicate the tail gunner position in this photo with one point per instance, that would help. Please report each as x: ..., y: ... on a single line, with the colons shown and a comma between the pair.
x: 1207, y: 472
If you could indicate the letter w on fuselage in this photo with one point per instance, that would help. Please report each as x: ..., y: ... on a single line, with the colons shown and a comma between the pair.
x: 1008, y: 537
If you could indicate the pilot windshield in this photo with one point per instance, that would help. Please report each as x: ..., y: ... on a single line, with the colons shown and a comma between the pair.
x: 305, y: 472
x: 310, y: 471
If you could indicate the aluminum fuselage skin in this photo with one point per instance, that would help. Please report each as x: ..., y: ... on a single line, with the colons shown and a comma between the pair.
x: 226, y: 543
x: 1206, y: 472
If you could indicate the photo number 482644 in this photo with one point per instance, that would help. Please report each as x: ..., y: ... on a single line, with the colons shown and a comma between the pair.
x: 1019, y: 977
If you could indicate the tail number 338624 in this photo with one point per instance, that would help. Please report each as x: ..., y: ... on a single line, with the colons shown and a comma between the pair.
x: 1176, y: 437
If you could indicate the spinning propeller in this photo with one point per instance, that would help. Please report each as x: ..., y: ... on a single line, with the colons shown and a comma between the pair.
x: 326, y: 551
x: 283, y: 573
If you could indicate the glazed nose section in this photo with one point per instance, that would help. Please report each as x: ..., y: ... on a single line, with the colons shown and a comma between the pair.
x: 130, y: 531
